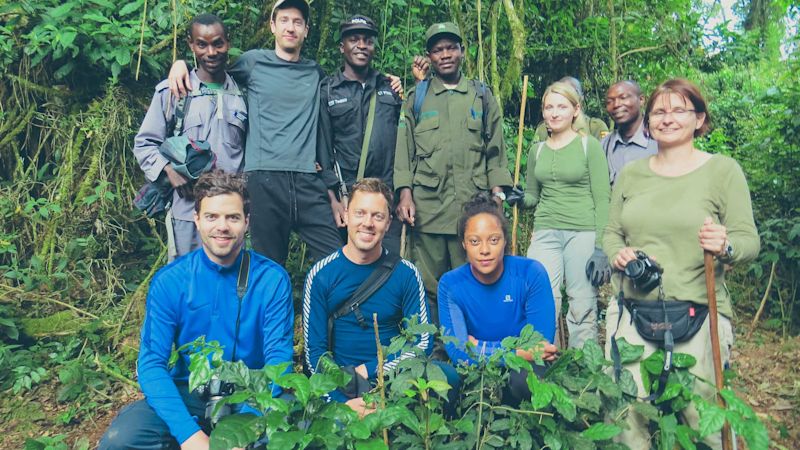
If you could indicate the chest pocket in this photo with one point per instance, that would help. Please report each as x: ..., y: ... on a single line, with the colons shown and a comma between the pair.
x: 425, y: 136
x: 193, y: 126
x: 237, y: 126
x: 342, y: 109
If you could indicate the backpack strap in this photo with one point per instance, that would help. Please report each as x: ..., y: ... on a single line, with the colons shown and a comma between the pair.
x: 181, y: 109
x: 419, y: 97
x: 539, y: 150
x: 584, y: 141
x: 480, y: 87
x: 368, y: 287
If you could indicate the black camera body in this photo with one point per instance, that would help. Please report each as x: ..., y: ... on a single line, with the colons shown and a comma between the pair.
x: 645, y: 274
x: 212, y: 392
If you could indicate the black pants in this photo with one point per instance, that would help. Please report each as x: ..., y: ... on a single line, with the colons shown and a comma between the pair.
x: 281, y: 202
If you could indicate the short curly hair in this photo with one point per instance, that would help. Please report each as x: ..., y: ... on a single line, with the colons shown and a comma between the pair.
x: 217, y: 182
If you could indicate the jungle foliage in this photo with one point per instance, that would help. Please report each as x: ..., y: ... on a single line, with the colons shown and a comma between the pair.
x: 77, y: 76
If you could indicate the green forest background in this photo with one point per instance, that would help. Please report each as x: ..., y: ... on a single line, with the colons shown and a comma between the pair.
x: 77, y: 76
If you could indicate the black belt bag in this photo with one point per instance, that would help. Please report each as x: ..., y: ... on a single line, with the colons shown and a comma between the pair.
x: 653, y: 318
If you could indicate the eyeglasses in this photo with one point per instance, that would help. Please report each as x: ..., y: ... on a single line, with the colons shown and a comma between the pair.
x: 677, y: 113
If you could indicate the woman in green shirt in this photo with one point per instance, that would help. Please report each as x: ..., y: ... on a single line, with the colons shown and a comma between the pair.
x: 567, y: 181
x: 673, y: 206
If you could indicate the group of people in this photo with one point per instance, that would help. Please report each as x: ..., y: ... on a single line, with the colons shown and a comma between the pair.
x: 345, y: 163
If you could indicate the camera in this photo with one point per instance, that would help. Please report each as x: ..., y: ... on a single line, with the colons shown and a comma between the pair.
x: 643, y: 272
x: 212, y: 392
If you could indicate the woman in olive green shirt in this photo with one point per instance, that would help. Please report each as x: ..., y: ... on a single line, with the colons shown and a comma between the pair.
x: 567, y: 181
x: 673, y: 206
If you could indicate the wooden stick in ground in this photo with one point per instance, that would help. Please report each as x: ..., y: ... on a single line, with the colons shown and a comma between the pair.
x: 517, y: 162
x: 403, y: 241
x: 711, y: 292
x: 381, y: 386
x: 763, y: 300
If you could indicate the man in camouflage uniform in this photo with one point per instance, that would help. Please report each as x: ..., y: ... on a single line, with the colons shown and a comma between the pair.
x: 446, y: 152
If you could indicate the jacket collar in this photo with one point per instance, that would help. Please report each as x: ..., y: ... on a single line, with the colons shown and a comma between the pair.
x: 218, y: 267
x: 438, y: 87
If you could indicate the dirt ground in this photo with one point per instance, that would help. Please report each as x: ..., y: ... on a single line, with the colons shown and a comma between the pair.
x: 767, y: 368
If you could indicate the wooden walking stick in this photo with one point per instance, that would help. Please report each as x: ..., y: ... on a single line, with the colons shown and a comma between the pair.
x: 708, y: 259
x: 403, y: 241
x: 516, y: 163
x: 381, y: 385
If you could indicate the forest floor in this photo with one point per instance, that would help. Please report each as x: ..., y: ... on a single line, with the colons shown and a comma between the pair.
x: 768, y: 378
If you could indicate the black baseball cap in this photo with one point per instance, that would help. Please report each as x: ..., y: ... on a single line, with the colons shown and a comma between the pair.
x: 358, y: 23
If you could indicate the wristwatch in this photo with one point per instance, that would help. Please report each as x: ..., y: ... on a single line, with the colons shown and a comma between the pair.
x: 727, y: 253
x: 501, y: 195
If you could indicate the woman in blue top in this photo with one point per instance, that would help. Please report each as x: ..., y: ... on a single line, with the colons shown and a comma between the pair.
x: 494, y: 295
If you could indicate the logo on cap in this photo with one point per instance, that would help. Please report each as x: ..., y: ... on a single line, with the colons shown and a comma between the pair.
x: 442, y: 26
x: 358, y: 20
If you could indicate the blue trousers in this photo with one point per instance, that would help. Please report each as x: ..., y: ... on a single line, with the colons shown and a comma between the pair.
x: 137, y: 426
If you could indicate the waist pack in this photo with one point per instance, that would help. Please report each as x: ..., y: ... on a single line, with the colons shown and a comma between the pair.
x: 653, y: 318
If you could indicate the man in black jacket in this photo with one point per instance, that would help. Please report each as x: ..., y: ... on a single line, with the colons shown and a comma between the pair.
x: 347, y: 98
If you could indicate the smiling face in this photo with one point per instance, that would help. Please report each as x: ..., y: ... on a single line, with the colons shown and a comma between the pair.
x: 358, y: 49
x: 673, y: 120
x: 290, y: 30
x: 210, y: 46
x: 222, y: 224
x: 624, y: 104
x: 559, y: 112
x: 367, y: 221
x: 485, y: 243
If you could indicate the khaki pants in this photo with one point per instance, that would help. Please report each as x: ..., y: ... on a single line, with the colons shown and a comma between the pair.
x: 435, y: 254
x: 564, y: 254
x: 638, y: 437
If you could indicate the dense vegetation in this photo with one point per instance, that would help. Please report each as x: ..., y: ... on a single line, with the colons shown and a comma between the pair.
x: 77, y: 75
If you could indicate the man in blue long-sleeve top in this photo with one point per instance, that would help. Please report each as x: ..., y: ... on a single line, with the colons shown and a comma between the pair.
x: 197, y: 296
x: 334, y: 279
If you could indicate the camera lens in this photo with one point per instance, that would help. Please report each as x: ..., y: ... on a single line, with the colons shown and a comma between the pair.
x: 634, y: 269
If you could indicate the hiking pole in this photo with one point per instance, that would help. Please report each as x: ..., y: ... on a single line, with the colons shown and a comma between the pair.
x: 711, y: 292
x: 516, y: 163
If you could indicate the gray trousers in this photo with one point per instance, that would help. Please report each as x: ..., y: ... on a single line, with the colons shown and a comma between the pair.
x: 182, y: 237
x: 564, y: 254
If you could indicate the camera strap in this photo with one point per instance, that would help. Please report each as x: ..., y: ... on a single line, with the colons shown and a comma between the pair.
x: 241, y: 289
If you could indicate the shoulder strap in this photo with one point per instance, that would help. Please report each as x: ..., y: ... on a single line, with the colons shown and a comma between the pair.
x: 480, y: 86
x: 181, y: 109
x: 584, y: 140
x: 241, y: 289
x: 362, y: 163
x: 419, y: 97
x: 374, y: 281
x: 539, y: 150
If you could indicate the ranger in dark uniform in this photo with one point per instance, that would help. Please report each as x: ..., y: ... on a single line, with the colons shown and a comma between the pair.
x: 347, y: 99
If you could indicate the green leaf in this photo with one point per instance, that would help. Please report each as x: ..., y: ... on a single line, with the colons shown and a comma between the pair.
x: 285, y: 440
x: 683, y: 361
x: 322, y: 384
x: 96, y: 17
x: 589, y: 401
x: 299, y: 384
x: 685, y: 437
x: 563, y: 404
x: 122, y: 56
x: 667, y: 426
x: 671, y: 391
x: 553, y: 441
x: 129, y: 8
x: 628, y: 384
x: 601, y: 431
x: 358, y: 429
x: 628, y: 352
x: 237, y: 430
x: 593, y: 356
x: 61, y: 11
x: 712, y: 417
x: 541, y: 393
x: 606, y: 385
x: 373, y: 444
x: 647, y: 410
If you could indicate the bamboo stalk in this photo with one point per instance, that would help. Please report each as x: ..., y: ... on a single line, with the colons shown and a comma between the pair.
x: 381, y: 385
x: 517, y: 162
x: 403, y: 241
x: 141, y: 40
x: 711, y: 292
x: 763, y: 300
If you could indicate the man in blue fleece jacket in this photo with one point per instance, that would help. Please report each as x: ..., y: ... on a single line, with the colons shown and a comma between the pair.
x: 334, y: 279
x: 197, y: 296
